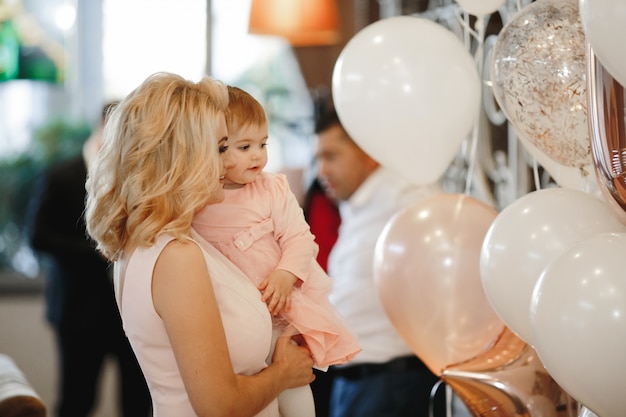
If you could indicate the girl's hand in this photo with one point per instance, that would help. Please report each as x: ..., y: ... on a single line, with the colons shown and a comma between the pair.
x: 277, y: 288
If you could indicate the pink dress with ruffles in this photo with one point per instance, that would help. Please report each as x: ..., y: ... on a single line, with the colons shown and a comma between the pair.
x: 260, y: 227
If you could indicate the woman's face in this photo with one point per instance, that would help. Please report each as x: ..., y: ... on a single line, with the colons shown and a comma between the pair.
x: 226, y: 160
x: 216, y: 191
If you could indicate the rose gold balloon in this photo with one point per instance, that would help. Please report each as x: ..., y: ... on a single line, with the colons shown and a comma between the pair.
x: 509, y: 380
x: 608, y: 133
x: 426, y: 267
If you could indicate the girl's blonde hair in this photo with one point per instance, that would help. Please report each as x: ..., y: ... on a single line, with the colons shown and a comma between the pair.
x: 159, y: 162
x: 243, y: 110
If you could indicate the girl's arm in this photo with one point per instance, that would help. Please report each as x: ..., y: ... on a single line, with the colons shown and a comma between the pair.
x: 292, y: 231
x: 183, y: 296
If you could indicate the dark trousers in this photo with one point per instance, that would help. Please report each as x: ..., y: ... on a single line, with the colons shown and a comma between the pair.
x: 400, y: 389
x: 82, y: 357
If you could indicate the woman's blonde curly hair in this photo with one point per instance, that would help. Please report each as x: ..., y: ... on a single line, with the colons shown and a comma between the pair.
x: 158, y: 165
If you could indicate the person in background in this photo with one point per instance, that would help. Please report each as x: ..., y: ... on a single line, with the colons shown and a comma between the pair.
x: 386, y: 378
x: 80, y: 303
x: 322, y: 215
x: 197, y: 324
x: 261, y: 228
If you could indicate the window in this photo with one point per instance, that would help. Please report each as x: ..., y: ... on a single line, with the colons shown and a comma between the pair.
x: 44, y: 120
x: 141, y: 37
x: 267, y: 68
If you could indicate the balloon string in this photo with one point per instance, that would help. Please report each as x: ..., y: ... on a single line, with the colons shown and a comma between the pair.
x: 479, y: 35
x: 466, y: 32
x: 472, y: 157
x: 536, y: 175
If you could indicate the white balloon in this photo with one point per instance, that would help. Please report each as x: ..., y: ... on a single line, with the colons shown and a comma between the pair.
x: 578, y: 322
x: 408, y: 92
x: 480, y: 7
x: 525, y: 237
x: 585, y: 412
x: 604, y: 24
x: 582, y: 178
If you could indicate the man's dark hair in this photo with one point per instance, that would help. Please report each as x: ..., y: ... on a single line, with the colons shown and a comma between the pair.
x: 326, y: 120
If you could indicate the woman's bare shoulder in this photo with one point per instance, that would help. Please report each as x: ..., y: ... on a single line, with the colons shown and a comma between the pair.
x: 180, y: 255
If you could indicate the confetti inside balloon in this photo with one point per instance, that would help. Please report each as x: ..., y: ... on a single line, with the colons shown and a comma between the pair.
x: 538, y: 76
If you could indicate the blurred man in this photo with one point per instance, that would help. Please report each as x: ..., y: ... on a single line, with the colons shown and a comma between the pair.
x: 386, y: 378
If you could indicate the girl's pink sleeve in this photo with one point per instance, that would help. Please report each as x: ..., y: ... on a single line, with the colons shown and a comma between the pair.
x: 291, y: 230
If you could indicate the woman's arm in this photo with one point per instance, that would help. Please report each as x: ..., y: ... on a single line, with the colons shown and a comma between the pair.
x: 184, y: 298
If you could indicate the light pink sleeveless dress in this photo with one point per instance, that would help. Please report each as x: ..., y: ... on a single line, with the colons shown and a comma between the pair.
x: 247, y: 324
x: 260, y: 227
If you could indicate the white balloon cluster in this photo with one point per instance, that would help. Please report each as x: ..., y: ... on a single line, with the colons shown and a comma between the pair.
x: 525, y: 237
x: 551, y: 261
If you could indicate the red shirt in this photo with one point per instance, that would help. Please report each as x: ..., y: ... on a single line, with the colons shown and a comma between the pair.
x: 323, y: 217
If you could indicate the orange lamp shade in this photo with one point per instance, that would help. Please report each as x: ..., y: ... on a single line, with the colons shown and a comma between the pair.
x: 301, y: 22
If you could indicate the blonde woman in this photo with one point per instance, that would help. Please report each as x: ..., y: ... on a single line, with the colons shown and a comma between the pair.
x: 199, y: 329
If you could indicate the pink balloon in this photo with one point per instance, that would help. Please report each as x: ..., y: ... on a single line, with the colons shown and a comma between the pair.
x: 426, y: 267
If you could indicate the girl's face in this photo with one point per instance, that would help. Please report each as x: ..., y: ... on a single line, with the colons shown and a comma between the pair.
x: 247, y: 148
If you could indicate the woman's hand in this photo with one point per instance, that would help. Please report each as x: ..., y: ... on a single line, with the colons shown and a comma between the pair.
x: 294, y: 360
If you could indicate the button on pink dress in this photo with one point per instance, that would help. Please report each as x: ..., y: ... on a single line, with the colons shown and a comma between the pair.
x: 260, y: 227
x: 247, y: 324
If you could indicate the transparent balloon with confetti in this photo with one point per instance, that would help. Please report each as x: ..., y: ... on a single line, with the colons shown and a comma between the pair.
x: 538, y: 76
